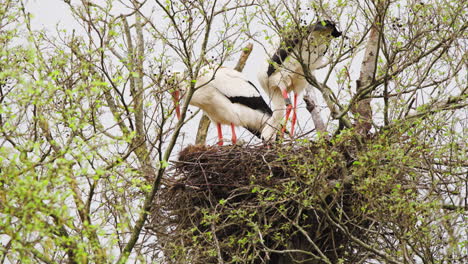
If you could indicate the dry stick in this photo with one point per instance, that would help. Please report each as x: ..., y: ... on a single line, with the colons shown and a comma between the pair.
x: 309, y: 99
x: 205, y: 121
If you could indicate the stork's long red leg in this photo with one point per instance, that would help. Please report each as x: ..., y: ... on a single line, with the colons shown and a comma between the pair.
x: 234, y: 137
x: 220, y: 134
x: 176, y: 99
x: 294, y: 116
x: 287, y: 102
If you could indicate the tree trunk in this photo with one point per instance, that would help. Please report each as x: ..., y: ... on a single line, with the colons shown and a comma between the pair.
x: 362, y: 108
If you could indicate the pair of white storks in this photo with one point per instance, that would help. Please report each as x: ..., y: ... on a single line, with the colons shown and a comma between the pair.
x: 228, y: 98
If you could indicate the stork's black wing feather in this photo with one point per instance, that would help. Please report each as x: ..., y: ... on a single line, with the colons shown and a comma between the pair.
x: 256, y: 103
x: 255, y: 132
x: 253, y: 102
x: 281, y: 54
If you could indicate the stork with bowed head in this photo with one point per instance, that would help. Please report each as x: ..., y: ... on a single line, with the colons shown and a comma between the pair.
x: 228, y: 98
x: 283, y: 73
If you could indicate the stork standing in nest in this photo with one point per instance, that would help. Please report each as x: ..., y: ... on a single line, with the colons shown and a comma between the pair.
x: 284, y: 73
x: 230, y: 99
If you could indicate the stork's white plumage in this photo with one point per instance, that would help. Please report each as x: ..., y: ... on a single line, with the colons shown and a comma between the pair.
x: 283, y: 73
x: 230, y: 99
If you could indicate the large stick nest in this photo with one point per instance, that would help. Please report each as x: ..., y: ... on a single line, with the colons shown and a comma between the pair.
x: 258, y: 204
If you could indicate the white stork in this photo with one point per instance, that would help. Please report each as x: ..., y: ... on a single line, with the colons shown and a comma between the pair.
x: 229, y: 99
x: 283, y: 73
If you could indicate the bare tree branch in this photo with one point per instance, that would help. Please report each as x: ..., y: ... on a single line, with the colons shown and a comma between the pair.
x: 311, y: 105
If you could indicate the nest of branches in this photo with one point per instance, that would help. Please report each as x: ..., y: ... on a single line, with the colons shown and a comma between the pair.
x: 259, y: 204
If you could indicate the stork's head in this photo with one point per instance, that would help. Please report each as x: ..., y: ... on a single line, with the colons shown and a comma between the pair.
x: 173, y: 83
x: 326, y: 27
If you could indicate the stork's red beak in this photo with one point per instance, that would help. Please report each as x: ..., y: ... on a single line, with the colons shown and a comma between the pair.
x: 176, y: 99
